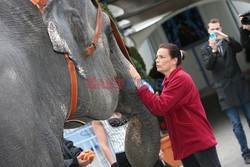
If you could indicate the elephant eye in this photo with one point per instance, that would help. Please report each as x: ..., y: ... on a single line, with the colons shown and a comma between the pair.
x: 112, y: 44
x: 109, y: 30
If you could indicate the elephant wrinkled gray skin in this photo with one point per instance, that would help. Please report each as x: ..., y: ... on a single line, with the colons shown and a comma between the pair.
x: 35, y: 82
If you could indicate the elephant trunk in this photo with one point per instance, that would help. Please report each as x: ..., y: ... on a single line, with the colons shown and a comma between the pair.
x: 142, y: 143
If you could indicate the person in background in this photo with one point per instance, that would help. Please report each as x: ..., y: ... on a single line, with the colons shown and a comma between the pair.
x: 114, y: 130
x: 245, y: 35
x: 191, y: 136
x: 233, y: 91
x: 73, y: 155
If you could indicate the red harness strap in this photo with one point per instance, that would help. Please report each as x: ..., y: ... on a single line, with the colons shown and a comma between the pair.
x: 72, y: 71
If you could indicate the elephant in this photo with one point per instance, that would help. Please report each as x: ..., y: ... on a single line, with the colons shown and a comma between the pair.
x: 35, y: 90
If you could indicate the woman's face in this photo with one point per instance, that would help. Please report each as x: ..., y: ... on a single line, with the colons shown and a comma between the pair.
x: 164, y: 63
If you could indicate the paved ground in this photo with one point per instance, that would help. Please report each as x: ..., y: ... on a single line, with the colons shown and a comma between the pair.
x: 228, y: 148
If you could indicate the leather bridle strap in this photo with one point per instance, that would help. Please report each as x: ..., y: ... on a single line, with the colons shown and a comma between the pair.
x: 71, y: 67
x: 116, y: 33
x: 119, y: 41
x: 74, y: 90
x: 75, y: 121
x: 92, y: 46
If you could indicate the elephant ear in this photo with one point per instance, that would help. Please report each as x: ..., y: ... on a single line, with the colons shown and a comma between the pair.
x: 142, y: 143
x: 57, y: 26
x: 65, y: 27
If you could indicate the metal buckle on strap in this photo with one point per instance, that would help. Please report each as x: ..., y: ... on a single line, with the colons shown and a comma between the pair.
x: 90, y: 49
x: 92, y: 45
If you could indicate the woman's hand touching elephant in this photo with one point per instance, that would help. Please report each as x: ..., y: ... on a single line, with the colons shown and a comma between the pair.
x: 136, y: 78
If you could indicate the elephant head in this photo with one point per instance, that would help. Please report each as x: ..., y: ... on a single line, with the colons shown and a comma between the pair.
x: 35, y: 82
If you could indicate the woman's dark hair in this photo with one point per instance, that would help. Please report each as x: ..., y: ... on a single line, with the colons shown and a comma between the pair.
x: 174, y: 51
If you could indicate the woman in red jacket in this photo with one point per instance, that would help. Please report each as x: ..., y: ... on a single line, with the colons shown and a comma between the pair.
x: 191, y: 135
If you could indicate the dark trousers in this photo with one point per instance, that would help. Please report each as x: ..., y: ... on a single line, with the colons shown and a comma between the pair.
x: 234, y: 116
x: 122, y: 160
x: 204, y: 158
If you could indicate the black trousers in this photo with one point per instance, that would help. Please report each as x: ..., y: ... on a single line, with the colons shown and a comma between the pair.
x: 122, y: 160
x: 204, y: 158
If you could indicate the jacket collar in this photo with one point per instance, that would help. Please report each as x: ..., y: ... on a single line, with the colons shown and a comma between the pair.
x: 172, y: 74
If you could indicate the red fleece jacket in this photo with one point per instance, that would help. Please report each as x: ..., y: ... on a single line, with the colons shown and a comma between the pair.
x: 180, y: 105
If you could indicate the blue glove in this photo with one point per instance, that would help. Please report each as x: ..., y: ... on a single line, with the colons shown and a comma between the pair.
x: 148, y: 85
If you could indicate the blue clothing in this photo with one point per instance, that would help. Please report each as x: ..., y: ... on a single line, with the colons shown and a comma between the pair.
x: 233, y: 114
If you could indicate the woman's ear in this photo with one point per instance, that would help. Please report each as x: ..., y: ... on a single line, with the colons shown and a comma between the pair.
x: 175, y: 60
